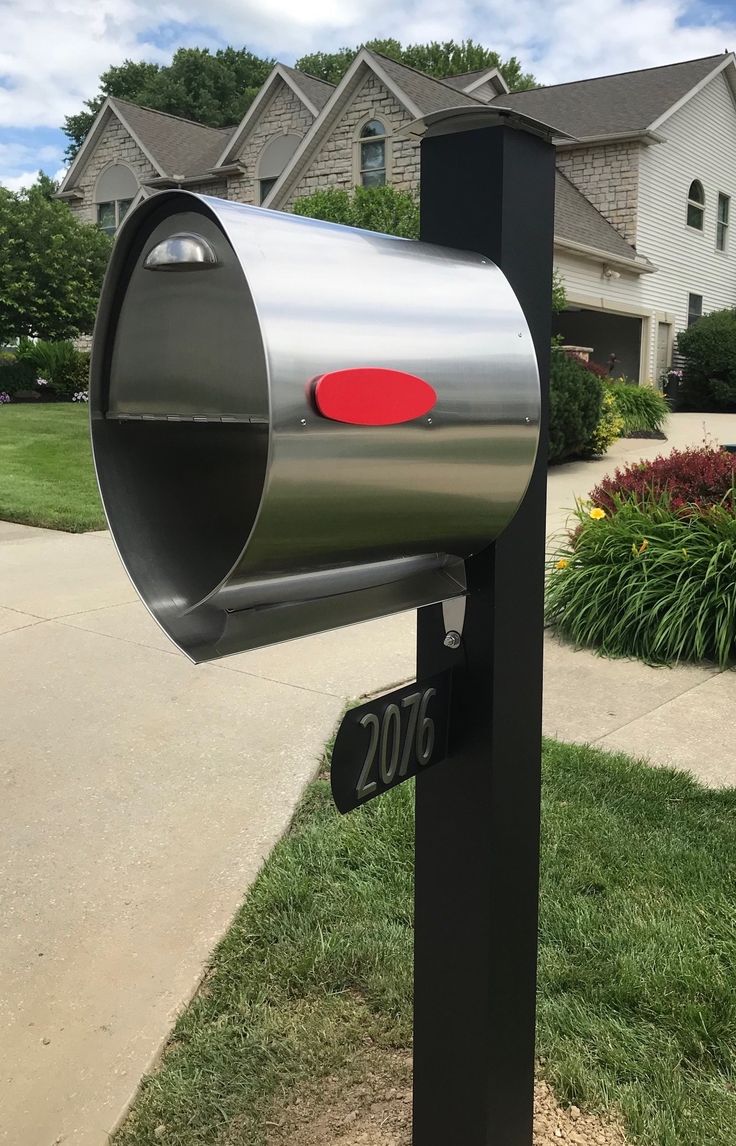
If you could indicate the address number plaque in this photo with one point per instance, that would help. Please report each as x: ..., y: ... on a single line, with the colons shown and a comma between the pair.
x: 389, y: 739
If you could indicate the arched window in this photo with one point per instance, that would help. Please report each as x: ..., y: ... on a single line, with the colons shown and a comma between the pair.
x: 273, y: 160
x: 696, y: 205
x: 372, y: 154
x: 115, y: 190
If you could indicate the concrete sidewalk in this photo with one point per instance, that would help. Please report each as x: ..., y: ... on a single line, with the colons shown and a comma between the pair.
x: 140, y: 794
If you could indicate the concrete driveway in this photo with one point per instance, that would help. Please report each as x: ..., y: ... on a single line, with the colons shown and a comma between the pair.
x: 140, y: 794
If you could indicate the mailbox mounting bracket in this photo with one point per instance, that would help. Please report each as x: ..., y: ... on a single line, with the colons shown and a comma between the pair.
x: 453, y: 615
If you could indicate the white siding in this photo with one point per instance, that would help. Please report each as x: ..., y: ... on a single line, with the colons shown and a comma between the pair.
x: 585, y: 284
x: 701, y: 144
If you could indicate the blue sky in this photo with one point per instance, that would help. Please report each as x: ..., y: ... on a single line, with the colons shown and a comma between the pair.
x: 53, y: 51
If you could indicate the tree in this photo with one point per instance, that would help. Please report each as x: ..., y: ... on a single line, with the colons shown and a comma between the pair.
x: 436, y: 59
x: 51, y: 268
x: 217, y: 89
x: 214, y: 89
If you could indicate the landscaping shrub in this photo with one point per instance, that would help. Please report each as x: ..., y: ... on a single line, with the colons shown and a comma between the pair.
x: 686, y: 479
x: 646, y: 582
x: 709, y: 375
x: 641, y: 408
x: 576, y: 406
x: 608, y: 429
x: 15, y: 375
x: 372, y: 208
x: 64, y: 368
x: 592, y: 367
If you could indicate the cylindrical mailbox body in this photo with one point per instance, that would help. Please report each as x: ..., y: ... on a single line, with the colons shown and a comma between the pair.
x: 243, y: 512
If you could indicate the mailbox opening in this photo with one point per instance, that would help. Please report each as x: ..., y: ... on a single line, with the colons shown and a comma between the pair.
x: 185, y: 417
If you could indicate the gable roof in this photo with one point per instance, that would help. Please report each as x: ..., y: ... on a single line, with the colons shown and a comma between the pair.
x: 464, y: 79
x: 313, y: 93
x: 172, y: 145
x: 578, y: 222
x: 469, y: 81
x: 317, y: 91
x: 627, y: 103
x: 427, y: 93
x: 418, y: 93
x: 179, y: 146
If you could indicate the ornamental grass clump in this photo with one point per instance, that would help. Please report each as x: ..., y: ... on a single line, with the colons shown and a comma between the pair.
x: 642, y: 409
x: 647, y: 581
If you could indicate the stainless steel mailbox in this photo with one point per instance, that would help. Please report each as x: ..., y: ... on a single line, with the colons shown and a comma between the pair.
x: 244, y: 511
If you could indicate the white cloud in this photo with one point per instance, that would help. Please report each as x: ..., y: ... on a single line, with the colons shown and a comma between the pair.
x: 27, y: 178
x: 53, y: 51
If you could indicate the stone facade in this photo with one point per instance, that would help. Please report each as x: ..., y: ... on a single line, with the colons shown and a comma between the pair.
x: 113, y: 146
x: 216, y: 187
x: 608, y: 175
x: 285, y: 114
x: 335, y: 163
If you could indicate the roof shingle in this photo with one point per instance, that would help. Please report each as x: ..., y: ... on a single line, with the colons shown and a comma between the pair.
x: 463, y: 80
x: 179, y: 146
x: 429, y: 94
x: 578, y: 220
x: 317, y: 91
x: 611, y: 105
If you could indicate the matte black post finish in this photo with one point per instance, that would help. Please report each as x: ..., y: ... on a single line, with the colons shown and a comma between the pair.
x: 477, y: 834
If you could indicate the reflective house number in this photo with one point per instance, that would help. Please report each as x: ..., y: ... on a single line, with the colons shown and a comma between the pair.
x: 389, y: 739
x: 386, y: 741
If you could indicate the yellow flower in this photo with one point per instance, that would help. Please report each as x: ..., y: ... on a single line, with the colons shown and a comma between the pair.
x: 597, y: 513
x: 562, y: 563
x: 643, y: 547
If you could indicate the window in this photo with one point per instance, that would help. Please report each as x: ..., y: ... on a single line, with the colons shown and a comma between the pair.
x: 372, y: 154
x: 115, y: 190
x: 694, y: 308
x: 273, y: 160
x: 110, y: 215
x: 722, y: 224
x: 696, y: 205
x: 265, y: 186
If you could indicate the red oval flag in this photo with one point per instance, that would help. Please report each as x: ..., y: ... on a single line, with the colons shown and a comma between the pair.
x: 372, y: 396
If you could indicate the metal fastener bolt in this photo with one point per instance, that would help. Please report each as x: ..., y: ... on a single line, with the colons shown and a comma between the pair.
x: 303, y: 421
x: 453, y: 640
x: 429, y: 421
x: 520, y: 334
x: 527, y: 420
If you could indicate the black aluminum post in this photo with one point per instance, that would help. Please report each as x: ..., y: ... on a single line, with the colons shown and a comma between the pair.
x: 477, y: 834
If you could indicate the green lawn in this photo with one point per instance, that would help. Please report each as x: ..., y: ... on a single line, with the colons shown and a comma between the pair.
x: 46, y: 474
x: 637, y: 1004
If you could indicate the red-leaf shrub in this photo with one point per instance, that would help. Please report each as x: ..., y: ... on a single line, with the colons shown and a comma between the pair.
x: 590, y: 366
x: 695, y: 478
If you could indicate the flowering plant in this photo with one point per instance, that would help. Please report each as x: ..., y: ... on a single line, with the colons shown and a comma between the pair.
x: 4, y: 397
x: 648, y: 582
x: 42, y: 381
x: 687, y: 479
x: 80, y: 396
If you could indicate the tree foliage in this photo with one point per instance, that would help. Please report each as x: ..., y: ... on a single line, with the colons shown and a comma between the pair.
x: 436, y: 59
x: 217, y: 88
x: 709, y: 349
x: 373, y: 208
x: 51, y: 268
x: 212, y: 88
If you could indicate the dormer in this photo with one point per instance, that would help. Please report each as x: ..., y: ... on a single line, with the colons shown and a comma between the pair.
x: 483, y: 85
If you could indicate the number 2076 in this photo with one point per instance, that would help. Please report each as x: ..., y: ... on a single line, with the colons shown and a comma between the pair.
x: 401, y: 738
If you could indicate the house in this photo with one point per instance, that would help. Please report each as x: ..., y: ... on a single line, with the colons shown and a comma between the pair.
x: 646, y: 169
